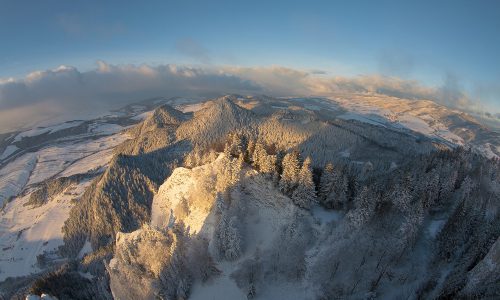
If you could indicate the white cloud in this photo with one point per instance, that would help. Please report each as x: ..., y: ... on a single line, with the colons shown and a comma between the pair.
x: 66, y: 90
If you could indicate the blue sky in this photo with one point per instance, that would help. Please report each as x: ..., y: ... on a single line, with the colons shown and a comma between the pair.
x: 424, y: 40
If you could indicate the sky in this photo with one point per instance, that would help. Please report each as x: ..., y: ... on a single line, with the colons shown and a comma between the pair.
x: 449, y: 45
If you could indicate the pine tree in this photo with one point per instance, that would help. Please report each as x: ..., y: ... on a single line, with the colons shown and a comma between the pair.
x: 401, y: 198
x: 211, y: 157
x: 250, y: 150
x: 233, y: 240
x: 326, y: 185
x: 189, y: 160
x: 225, y: 175
x: 227, y: 238
x: 341, y: 189
x: 268, y: 166
x: 220, y: 204
x: 305, y: 193
x: 290, y: 175
x: 259, y: 155
x: 197, y: 157
x: 365, y: 205
x: 236, y: 167
x: 227, y: 150
x: 237, y: 144
x: 333, y: 192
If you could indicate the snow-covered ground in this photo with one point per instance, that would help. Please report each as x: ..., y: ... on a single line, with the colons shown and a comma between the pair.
x: 65, y: 157
x: 8, y: 151
x: 142, y: 116
x: 26, y: 232
x: 185, y: 108
x: 104, y: 128
x: 398, y: 114
x: 49, y: 129
x: 221, y: 287
x: 15, y: 175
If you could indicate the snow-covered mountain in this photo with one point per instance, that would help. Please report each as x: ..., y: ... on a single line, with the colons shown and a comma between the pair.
x: 253, y: 197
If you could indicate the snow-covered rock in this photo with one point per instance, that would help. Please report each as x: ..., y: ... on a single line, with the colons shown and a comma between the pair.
x: 139, y: 259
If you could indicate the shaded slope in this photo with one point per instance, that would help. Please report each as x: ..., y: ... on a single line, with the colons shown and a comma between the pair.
x: 155, y: 132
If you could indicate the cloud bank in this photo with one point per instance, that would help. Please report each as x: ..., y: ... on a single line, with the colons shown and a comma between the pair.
x: 66, y: 90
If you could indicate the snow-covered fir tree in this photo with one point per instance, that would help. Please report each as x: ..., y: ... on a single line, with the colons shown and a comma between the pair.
x: 326, y: 184
x: 258, y: 156
x: 401, y: 198
x: 364, y: 208
x: 291, y: 169
x: 304, y: 194
x: 227, y: 238
x: 268, y: 166
x: 250, y: 150
x: 229, y: 173
x: 333, y: 189
x: 233, y: 240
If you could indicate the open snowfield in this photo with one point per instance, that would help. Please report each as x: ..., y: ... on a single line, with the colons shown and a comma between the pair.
x: 49, y: 129
x: 71, y: 158
x: 26, y: 232
x: 15, y: 175
x: 397, y: 113
x: 8, y: 151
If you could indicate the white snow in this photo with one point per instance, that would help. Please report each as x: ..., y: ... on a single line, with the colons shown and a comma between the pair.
x: 26, y: 232
x: 43, y: 296
x: 325, y: 216
x: 15, y: 175
x: 142, y: 116
x: 191, y: 107
x: 49, y: 129
x: 179, y: 186
x: 312, y: 107
x: 72, y: 158
x: 8, y: 151
x: 345, y: 153
x: 104, y: 128
x: 400, y: 114
x: 87, y: 248
x: 487, y: 150
x: 373, y: 119
x: 435, y: 227
x: 221, y: 287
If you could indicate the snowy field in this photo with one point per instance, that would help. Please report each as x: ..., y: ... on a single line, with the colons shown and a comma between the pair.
x: 27, y: 232
x: 8, y: 151
x: 49, y: 129
x: 65, y: 157
x: 15, y: 175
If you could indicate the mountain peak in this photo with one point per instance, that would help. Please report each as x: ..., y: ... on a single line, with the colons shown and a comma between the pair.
x: 216, y: 120
x: 165, y: 115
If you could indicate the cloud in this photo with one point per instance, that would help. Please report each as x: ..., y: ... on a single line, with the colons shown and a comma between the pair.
x: 450, y: 93
x: 275, y: 80
x: 318, y: 72
x: 66, y: 90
